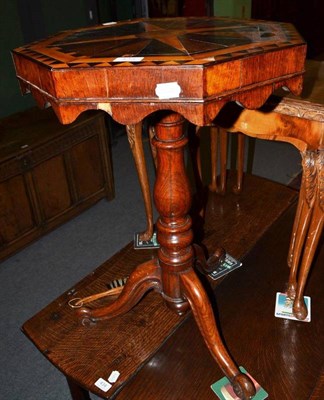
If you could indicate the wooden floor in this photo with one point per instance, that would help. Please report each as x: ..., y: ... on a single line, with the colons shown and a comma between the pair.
x: 162, y: 356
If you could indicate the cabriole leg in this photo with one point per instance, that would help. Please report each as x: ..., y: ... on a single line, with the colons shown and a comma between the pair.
x: 181, y: 286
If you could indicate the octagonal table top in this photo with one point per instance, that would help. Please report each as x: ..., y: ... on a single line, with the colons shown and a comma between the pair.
x: 189, y: 65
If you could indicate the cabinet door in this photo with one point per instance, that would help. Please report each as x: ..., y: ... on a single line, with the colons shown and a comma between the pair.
x: 51, y: 185
x: 87, y: 169
x: 16, y: 217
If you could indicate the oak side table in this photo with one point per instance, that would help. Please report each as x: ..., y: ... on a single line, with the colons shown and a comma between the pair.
x: 179, y: 68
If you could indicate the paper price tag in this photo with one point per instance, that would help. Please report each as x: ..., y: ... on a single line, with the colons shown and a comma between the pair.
x: 113, y: 376
x: 169, y: 90
x: 103, y: 385
x: 128, y: 59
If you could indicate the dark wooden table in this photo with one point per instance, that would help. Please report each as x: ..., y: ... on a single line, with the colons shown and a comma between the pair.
x: 181, y: 366
x: 285, y: 357
x: 180, y: 68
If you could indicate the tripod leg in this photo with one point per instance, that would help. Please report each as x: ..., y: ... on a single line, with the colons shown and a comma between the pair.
x: 181, y: 286
x: 203, y: 313
x: 146, y: 276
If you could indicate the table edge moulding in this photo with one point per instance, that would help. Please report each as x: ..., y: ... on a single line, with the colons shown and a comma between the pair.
x: 73, y: 86
x: 180, y: 68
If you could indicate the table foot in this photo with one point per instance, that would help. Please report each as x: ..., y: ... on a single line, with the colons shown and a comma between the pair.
x: 243, y: 387
x: 152, y: 243
x: 300, y: 309
x: 212, y: 263
x: 145, y: 277
x: 146, y: 236
x: 203, y: 314
x: 314, y: 234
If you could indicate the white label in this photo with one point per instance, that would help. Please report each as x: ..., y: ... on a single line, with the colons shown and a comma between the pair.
x: 169, y: 90
x: 103, y: 385
x: 128, y: 59
x: 284, y: 307
x: 113, y: 376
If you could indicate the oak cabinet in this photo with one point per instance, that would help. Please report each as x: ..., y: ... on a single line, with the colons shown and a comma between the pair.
x: 49, y: 172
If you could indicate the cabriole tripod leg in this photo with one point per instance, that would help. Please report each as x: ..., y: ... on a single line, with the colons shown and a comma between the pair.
x: 181, y: 286
x: 203, y: 313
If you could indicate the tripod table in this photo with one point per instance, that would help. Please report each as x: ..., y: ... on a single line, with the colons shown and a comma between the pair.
x: 177, y: 68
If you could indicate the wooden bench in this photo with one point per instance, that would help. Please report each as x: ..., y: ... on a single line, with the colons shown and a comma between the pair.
x: 86, y: 352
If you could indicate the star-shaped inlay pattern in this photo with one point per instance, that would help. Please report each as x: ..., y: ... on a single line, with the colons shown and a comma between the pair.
x: 181, y: 40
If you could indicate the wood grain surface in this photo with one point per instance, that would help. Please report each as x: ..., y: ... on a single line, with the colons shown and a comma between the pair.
x: 285, y: 357
x: 126, y: 343
x: 117, y: 67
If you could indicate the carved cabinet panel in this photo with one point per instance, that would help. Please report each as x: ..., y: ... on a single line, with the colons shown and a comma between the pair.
x: 49, y: 173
